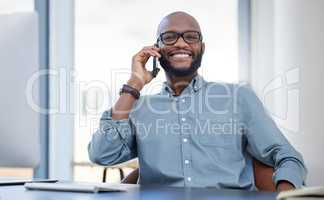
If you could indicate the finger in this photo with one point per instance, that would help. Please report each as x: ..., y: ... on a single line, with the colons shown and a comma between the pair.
x: 146, y: 54
x: 156, y: 53
x: 152, y: 48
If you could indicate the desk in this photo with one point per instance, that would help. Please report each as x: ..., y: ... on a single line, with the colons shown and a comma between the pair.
x: 140, y: 193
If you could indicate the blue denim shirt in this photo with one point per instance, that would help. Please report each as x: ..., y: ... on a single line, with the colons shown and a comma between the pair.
x: 205, y: 137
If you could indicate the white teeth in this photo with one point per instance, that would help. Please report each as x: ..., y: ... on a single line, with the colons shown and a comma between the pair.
x: 181, y: 55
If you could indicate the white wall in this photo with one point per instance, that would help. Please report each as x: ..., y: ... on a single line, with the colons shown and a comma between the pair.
x: 287, y: 70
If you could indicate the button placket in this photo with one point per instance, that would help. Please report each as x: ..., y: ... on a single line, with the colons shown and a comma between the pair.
x: 185, y: 142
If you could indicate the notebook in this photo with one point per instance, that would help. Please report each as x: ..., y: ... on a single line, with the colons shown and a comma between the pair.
x: 16, y: 181
x: 307, y: 193
x: 80, y: 187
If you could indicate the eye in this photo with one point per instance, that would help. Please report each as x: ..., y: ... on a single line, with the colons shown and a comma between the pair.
x: 192, y: 36
x: 169, y: 37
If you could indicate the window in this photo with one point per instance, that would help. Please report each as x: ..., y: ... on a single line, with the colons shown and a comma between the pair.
x: 109, y: 33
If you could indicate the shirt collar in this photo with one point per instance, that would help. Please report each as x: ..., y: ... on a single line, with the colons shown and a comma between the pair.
x: 195, y: 84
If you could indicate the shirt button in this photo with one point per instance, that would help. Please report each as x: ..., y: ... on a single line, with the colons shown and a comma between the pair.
x: 189, y: 178
x: 185, y: 140
x: 183, y: 119
x: 183, y: 100
x: 187, y: 162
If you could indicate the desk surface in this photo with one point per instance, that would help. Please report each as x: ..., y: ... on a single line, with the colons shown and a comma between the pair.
x: 142, y: 192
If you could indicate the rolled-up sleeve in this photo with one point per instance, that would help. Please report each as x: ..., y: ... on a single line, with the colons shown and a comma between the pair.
x: 266, y: 143
x: 114, y: 142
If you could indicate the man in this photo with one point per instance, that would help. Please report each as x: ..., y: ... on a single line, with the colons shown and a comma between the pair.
x: 193, y: 133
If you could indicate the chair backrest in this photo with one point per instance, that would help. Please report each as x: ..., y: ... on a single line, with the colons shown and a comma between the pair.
x: 132, y: 177
x: 262, y: 176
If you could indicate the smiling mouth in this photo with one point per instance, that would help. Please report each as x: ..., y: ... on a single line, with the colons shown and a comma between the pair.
x: 180, y: 55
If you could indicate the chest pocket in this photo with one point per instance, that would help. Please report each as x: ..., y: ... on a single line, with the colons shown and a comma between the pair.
x: 219, y: 131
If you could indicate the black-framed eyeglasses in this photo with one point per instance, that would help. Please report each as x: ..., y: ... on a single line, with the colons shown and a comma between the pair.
x: 171, y: 37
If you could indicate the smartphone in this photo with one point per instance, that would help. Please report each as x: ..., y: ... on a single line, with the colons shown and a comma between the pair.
x: 155, y: 70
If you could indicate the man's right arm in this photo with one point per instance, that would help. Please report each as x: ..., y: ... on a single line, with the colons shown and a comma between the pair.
x: 115, y: 140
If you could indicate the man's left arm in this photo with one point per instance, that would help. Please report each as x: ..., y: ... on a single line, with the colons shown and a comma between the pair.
x: 266, y: 143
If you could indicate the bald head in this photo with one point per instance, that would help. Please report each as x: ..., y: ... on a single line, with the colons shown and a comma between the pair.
x: 178, y: 21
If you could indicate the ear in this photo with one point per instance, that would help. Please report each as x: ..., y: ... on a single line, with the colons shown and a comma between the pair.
x: 202, y: 48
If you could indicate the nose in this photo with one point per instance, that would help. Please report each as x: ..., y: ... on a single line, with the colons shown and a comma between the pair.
x: 181, y: 43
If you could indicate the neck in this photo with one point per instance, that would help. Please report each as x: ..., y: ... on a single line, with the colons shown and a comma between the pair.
x: 178, y: 84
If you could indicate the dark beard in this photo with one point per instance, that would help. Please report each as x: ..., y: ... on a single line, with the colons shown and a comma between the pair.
x: 165, y: 64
